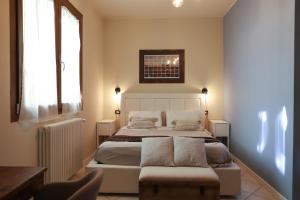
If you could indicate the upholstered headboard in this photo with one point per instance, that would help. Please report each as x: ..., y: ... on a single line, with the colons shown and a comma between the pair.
x: 158, y: 101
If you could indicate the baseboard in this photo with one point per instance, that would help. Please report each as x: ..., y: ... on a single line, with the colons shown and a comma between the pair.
x: 261, y: 180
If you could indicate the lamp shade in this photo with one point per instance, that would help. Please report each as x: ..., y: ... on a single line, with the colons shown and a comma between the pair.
x: 117, y: 90
x: 204, y: 91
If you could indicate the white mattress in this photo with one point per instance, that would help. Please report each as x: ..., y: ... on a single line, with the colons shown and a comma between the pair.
x: 119, y: 153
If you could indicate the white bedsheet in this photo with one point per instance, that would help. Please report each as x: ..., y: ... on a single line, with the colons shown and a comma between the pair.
x: 129, y: 153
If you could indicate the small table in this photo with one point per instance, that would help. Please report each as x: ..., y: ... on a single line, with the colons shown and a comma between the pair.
x: 221, y: 130
x: 105, y: 129
x: 20, y: 182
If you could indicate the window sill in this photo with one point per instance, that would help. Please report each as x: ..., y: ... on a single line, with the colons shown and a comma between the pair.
x: 58, y: 118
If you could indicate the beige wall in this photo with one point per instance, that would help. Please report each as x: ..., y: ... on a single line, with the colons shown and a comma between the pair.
x: 18, y: 146
x: 202, y: 40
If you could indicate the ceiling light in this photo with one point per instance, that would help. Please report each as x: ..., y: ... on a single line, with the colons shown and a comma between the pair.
x: 177, y: 3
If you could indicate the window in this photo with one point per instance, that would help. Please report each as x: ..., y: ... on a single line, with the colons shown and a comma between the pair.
x: 70, y: 58
x: 46, y: 59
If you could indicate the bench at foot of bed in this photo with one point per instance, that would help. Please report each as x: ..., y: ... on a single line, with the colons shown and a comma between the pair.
x: 177, y: 183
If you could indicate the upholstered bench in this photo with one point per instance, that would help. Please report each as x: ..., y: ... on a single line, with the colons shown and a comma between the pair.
x: 178, y: 183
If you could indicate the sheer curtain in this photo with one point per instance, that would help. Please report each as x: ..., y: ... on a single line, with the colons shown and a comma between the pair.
x: 39, y: 88
x: 70, y: 62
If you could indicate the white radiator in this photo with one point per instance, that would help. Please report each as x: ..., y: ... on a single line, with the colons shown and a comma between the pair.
x: 60, y: 149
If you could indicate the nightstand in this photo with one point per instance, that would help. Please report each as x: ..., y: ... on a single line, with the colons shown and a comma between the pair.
x: 105, y: 129
x: 220, y: 129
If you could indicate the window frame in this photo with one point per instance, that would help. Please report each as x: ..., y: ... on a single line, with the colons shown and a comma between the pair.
x: 16, y: 53
x: 59, y: 4
x: 15, y: 60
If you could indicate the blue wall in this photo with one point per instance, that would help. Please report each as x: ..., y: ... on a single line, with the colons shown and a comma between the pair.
x: 259, y: 78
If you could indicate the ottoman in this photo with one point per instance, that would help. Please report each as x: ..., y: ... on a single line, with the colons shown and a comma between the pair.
x: 178, y: 183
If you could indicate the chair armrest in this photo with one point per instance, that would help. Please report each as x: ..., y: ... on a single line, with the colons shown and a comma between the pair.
x: 58, y: 191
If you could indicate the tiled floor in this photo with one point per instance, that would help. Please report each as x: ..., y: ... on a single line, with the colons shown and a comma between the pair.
x: 251, y: 190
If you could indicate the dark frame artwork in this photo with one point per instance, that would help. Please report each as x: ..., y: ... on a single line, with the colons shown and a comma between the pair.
x: 162, y: 66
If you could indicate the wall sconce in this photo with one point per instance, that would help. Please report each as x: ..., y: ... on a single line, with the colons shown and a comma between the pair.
x: 205, y: 92
x: 118, y: 91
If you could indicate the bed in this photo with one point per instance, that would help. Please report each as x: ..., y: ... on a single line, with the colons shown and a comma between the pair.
x: 119, y: 157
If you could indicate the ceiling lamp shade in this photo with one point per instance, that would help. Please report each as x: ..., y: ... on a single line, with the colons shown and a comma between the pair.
x: 177, y: 3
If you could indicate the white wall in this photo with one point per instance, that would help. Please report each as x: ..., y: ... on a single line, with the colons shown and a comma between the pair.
x: 18, y: 146
x: 202, y: 40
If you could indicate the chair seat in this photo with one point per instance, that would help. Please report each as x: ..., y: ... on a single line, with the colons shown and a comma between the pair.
x: 85, y: 188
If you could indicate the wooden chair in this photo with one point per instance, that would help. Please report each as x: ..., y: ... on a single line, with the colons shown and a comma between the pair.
x: 86, y: 188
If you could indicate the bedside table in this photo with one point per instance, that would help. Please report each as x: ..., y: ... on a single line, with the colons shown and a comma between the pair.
x: 105, y: 129
x: 220, y: 129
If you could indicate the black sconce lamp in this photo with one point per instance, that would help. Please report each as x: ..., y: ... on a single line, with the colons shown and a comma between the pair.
x: 205, y: 92
x: 117, y: 90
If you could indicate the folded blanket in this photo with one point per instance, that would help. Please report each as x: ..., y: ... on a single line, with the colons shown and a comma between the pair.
x: 186, y: 125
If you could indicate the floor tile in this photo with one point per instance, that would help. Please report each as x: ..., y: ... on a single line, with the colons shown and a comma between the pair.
x: 251, y: 190
x: 102, y: 198
x: 263, y: 193
x: 124, y: 197
x: 243, y: 196
x: 252, y: 197
x: 243, y: 171
x: 249, y: 184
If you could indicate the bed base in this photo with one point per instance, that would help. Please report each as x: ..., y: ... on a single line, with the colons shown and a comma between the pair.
x: 125, y: 179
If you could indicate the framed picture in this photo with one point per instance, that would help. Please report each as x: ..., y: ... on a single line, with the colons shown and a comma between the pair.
x: 162, y: 66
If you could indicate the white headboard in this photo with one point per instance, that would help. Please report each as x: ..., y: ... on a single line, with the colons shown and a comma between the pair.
x: 158, y: 101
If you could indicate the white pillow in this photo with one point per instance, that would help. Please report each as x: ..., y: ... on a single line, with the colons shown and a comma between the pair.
x: 189, y: 152
x: 182, y: 115
x: 147, y: 114
x: 157, y: 152
x: 141, y: 124
x: 186, y: 125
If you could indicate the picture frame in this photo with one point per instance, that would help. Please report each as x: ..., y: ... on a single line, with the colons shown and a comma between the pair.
x: 162, y: 66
